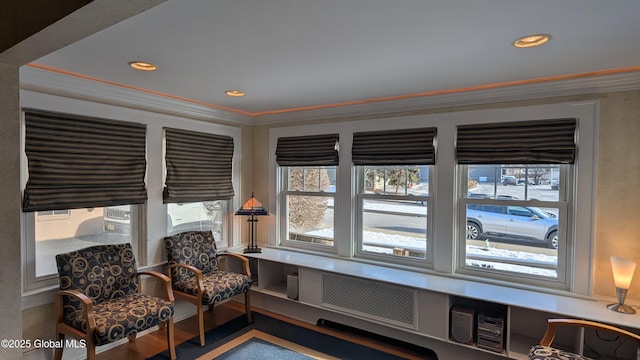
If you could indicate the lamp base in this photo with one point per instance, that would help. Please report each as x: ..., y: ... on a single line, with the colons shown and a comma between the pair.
x: 621, y: 308
x: 252, y: 250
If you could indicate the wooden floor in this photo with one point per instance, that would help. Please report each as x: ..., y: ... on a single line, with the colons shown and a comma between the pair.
x: 155, y: 342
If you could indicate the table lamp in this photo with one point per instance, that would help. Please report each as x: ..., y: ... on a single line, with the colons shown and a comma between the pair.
x: 622, y: 274
x: 252, y: 208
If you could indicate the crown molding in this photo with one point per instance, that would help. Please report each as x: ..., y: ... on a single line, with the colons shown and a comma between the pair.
x: 49, y: 82
x: 547, y: 89
x: 41, y: 80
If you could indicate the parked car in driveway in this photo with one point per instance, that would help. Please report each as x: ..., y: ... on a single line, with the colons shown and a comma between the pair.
x: 509, y: 180
x: 523, y: 182
x: 512, y: 223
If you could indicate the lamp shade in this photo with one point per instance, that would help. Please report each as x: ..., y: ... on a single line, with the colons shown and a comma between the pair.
x: 623, y: 270
x: 252, y: 207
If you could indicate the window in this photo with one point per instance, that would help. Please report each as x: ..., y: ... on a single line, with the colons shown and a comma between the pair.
x: 514, y: 209
x: 308, y: 166
x: 515, y: 228
x: 52, y: 213
x: 393, y: 204
x: 393, y: 192
x: 81, y: 170
x: 78, y: 229
x: 200, y: 216
x: 508, y: 200
x: 309, y: 197
x: 198, y: 184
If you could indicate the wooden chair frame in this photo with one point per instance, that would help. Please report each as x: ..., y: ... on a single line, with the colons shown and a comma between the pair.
x: 63, y: 329
x: 197, y: 299
x: 552, y: 324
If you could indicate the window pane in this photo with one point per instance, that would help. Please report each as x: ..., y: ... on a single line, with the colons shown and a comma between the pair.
x: 62, y: 231
x: 312, y: 179
x: 512, y: 238
x: 310, y: 219
x: 393, y: 201
x: 395, y: 227
x: 532, y: 182
x: 402, y: 180
x: 196, y: 216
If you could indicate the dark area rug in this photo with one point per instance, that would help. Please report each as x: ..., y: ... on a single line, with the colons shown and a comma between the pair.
x: 326, y: 344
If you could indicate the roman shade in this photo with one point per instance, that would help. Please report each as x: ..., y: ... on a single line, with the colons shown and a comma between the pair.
x: 82, y: 162
x: 395, y: 147
x: 199, y: 166
x: 521, y: 142
x: 314, y: 150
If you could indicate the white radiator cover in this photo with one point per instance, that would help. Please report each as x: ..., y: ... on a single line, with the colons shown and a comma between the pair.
x: 373, y: 300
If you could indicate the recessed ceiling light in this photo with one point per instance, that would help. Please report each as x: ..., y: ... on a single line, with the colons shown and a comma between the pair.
x: 142, y: 65
x: 235, y: 93
x: 531, y: 40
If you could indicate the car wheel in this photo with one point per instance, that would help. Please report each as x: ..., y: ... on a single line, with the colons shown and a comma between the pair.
x: 552, y: 240
x: 473, y: 231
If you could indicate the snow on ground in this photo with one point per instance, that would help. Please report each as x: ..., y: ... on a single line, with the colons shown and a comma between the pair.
x: 387, y: 239
x: 381, y: 238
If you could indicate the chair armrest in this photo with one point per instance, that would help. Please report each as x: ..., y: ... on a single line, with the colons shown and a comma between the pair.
x: 193, y: 269
x: 165, y: 280
x: 243, y: 259
x: 552, y: 324
x: 87, y: 303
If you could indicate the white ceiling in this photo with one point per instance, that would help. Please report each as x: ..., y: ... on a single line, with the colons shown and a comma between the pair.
x: 288, y: 54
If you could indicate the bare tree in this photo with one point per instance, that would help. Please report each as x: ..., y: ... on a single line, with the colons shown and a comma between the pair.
x: 307, y: 212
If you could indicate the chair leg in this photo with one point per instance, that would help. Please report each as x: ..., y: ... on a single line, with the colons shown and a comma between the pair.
x: 91, y: 350
x: 170, y: 339
x: 132, y: 337
x: 91, y: 345
x: 201, y: 324
x: 247, y: 305
x: 59, y: 340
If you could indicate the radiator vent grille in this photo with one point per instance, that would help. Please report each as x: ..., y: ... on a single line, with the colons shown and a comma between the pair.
x: 382, y: 302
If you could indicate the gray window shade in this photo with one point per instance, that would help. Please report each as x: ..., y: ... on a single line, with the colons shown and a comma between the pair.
x: 199, y: 166
x: 522, y: 142
x: 81, y: 162
x: 395, y: 147
x: 315, y: 150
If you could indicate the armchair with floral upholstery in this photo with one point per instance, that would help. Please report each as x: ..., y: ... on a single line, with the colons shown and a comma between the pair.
x: 196, y: 278
x: 100, y: 299
x: 544, y: 350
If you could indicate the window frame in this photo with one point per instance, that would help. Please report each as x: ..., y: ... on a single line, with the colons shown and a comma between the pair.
x: 33, y: 282
x: 445, y: 190
x: 227, y: 222
x: 564, y: 254
x: 283, y: 207
x: 361, y: 196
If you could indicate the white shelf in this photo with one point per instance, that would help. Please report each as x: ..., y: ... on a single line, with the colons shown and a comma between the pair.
x: 525, y: 311
x: 567, y: 306
x: 279, y: 289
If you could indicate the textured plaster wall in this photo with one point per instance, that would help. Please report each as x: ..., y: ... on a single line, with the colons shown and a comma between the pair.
x: 618, y: 190
x: 260, y: 175
x: 10, y: 279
